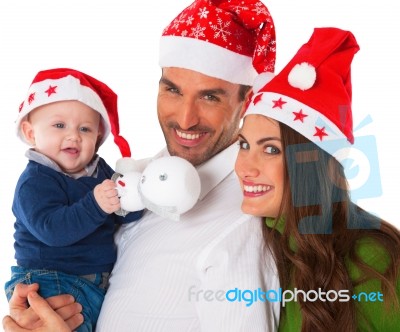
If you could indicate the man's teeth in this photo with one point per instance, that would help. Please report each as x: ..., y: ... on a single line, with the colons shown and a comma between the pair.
x: 256, y: 189
x: 187, y: 136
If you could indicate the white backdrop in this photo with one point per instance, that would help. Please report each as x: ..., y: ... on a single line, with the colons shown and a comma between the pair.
x: 117, y: 42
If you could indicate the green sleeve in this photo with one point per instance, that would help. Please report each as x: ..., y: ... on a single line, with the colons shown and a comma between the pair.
x: 372, y: 314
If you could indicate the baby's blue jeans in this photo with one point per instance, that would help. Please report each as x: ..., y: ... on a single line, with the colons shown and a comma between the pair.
x: 88, y: 290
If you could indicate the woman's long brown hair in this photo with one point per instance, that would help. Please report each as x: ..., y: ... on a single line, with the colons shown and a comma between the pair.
x: 325, y: 226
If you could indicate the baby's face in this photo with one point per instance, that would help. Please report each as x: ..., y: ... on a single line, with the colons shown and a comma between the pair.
x: 67, y: 132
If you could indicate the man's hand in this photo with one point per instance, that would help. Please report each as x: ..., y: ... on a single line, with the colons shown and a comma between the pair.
x: 106, y: 196
x: 41, y: 313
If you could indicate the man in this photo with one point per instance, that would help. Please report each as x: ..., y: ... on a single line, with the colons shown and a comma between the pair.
x: 205, y: 272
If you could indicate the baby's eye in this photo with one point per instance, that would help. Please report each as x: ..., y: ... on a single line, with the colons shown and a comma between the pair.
x: 59, y: 125
x: 85, y: 129
x: 272, y: 150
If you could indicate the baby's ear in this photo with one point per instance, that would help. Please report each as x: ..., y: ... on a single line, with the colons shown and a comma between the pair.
x: 98, y: 141
x: 100, y: 136
x: 28, y: 132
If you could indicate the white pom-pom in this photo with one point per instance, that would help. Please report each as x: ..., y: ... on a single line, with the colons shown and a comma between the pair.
x: 261, y: 80
x: 125, y: 165
x: 302, y: 76
x: 171, y: 182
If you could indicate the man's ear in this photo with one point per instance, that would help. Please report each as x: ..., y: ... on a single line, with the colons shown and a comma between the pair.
x: 246, y: 102
x: 28, y: 132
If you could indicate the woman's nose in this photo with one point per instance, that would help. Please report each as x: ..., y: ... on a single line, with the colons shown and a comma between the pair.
x: 246, y: 166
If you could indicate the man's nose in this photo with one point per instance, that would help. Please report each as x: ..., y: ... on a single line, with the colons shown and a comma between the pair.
x: 188, y: 115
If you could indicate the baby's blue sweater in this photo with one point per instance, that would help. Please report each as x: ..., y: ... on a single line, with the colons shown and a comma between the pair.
x: 59, y: 225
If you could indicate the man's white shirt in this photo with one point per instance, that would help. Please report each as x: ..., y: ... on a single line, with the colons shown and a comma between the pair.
x: 176, y: 275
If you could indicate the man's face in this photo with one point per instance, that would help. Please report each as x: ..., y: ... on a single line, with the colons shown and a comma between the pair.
x: 199, y: 115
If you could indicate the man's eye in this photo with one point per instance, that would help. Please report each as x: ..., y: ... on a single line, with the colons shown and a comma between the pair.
x: 272, y: 150
x: 173, y: 90
x: 211, y: 98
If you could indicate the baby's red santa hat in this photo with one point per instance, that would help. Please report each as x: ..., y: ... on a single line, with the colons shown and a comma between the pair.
x: 233, y: 40
x: 62, y: 84
x: 312, y: 94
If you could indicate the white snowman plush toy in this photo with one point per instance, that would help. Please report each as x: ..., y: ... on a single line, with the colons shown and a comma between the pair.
x: 167, y: 186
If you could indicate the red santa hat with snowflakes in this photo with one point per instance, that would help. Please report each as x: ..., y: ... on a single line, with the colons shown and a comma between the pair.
x: 233, y: 40
x: 62, y: 84
x: 312, y: 94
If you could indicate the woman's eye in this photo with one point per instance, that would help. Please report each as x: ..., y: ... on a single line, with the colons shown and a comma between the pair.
x: 272, y: 150
x: 244, y: 145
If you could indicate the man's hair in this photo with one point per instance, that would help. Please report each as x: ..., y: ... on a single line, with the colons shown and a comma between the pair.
x: 243, y: 89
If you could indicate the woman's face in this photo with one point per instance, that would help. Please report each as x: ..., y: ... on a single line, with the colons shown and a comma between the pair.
x: 259, y: 166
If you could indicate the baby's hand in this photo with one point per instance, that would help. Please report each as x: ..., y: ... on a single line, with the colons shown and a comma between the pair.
x: 106, y: 196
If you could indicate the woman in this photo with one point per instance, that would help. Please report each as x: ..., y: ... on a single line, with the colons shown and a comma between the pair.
x: 338, y: 264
